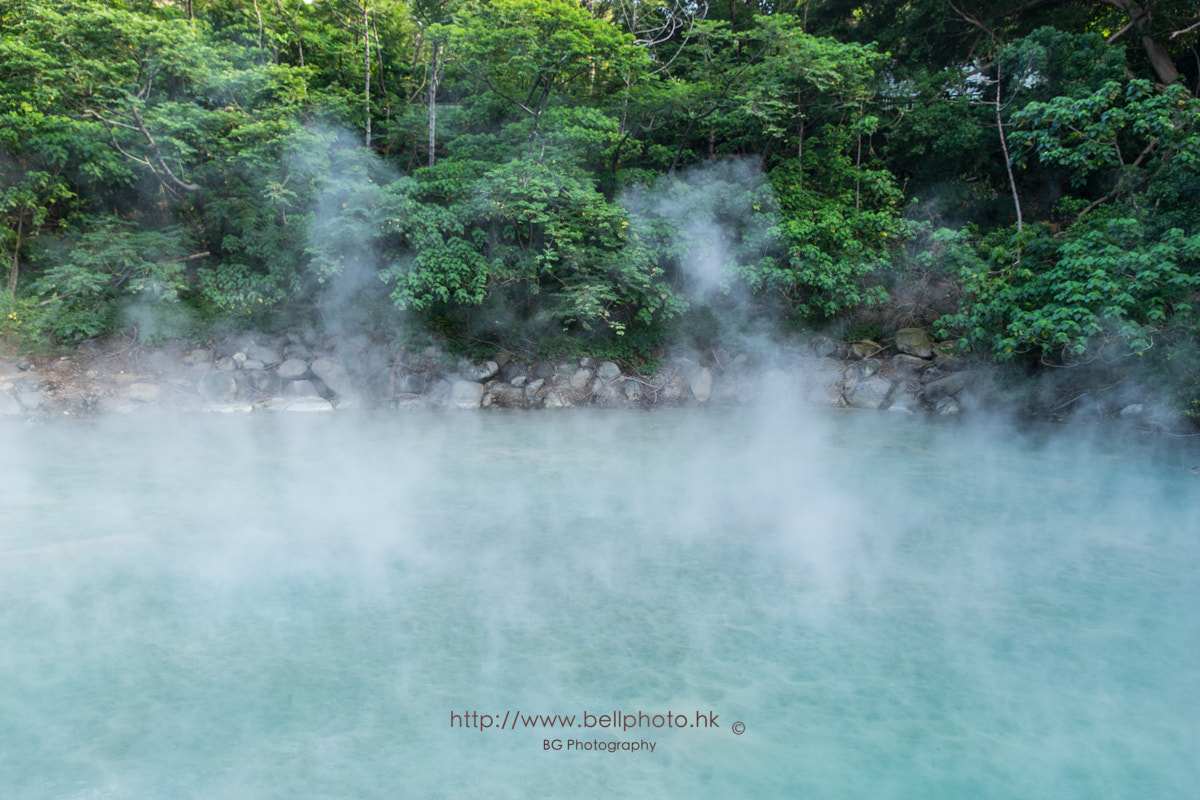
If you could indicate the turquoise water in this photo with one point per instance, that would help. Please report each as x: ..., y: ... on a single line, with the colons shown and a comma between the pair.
x: 294, y: 608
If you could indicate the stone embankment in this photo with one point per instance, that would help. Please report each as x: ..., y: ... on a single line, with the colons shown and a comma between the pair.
x: 300, y: 372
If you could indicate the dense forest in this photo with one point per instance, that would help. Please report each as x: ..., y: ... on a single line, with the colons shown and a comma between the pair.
x: 609, y: 176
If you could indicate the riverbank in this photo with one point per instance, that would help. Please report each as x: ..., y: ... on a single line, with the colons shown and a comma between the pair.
x: 302, y: 372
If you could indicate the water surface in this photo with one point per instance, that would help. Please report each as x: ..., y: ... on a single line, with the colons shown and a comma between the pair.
x: 270, y: 607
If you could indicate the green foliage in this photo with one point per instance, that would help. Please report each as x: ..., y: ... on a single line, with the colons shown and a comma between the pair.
x: 1106, y: 280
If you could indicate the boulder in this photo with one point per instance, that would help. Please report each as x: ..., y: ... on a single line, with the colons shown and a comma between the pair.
x: 581, y: 378
x: 914, y: 342
x: 949, y: 386
x: 702, y: 384
x: 299, y: 404
x: 479, y: 374
x: 263, y: 355
x: 9, y: 405
x: 865, y: 349
x: 465, y: 394
x: 504, y: 395
x: 292, y: 368
x: 609, y: 371
x: 870, y: 393
x: 143, y: 392
x: 334, y: 375
x: 218, y: 387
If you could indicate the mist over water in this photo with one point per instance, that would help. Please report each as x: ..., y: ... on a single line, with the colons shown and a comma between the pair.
x: 268, y: 607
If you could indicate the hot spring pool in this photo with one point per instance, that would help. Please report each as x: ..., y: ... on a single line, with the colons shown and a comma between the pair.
x: 264, y: 607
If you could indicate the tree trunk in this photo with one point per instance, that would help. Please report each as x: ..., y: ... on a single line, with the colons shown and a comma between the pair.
x: 14, y: 269
x: 367, y: 71
x: 434, y: 74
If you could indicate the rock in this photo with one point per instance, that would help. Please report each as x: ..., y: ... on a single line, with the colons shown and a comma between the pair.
x: 914, y: 342
x: 263, y: 355
x: 555, y: 400
x: 292, y: 368
x: 30, y: 401
x: 226, y: 364
x: 949, y: 386
x: 299, y: 404
x: 439, y: 393
x: 866, y: 368
x: 479, y: 374
x: 239, y: 358
x: 532, y: 388
x: 297, y: 351
x: 865, y: 349
x: 906, y: 367
x: 581, y: 378
x: 218, y: 387
x: 24, y: 364
x: 609, y: 371
x: 1132, y: 410
x: 906, y: 397
x: 143, y: 392
x: 870, y: 393
x: 302, y: 389
x: 543, y: 371
x: 947, y: 406
x: 264, y: 381
x: 251, y: 363
x: 519, y: 381
x: 466, y: 394
x: 823, y: 347
x: 9, y: 406
x: 633, y: 390
x: 196, y: 357
x: 505, y: 395
x: 702, y: 384
x: 334, y: 376
x: 229, y: 408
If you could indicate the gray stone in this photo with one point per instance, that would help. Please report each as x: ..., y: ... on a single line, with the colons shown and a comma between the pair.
x: 292, y: 368
x: 865, y: 349
x: 823, y: 347
x: 466, y: 394
x: 948, y: 386
x: 633, y: 390
x: 439, y: 392
x: 906, y: 397
x: 519, y: 381
x: 504, y: 395
x: 143, y: 392
x: 218, y: 387
x: 555, y: 400
x: 906, y: 367
x: 532, y: 388
x: 866, y: 368
x: 587, y: 363
x: 609, y: 371
x: 334, y: 375
x: 702, y: 384
x: 252, y: 363
x: 302, y: 389
x: 581, y: 378
x: 297, y: 351
x: 263, y: 355
x: 264, y: 381
x: 9, y: 406
x: 1133, y: 410
x: 239, y: 358
x: 299, y: 404
x: 30, y: 401
x: 479, y: 374
x: 914, y: 342
x: 196, y: 357
x: 229, y: 408
x: 947, y: 406
x: 543, y: 371
x: 870, y: 393
x: 226, y: 364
